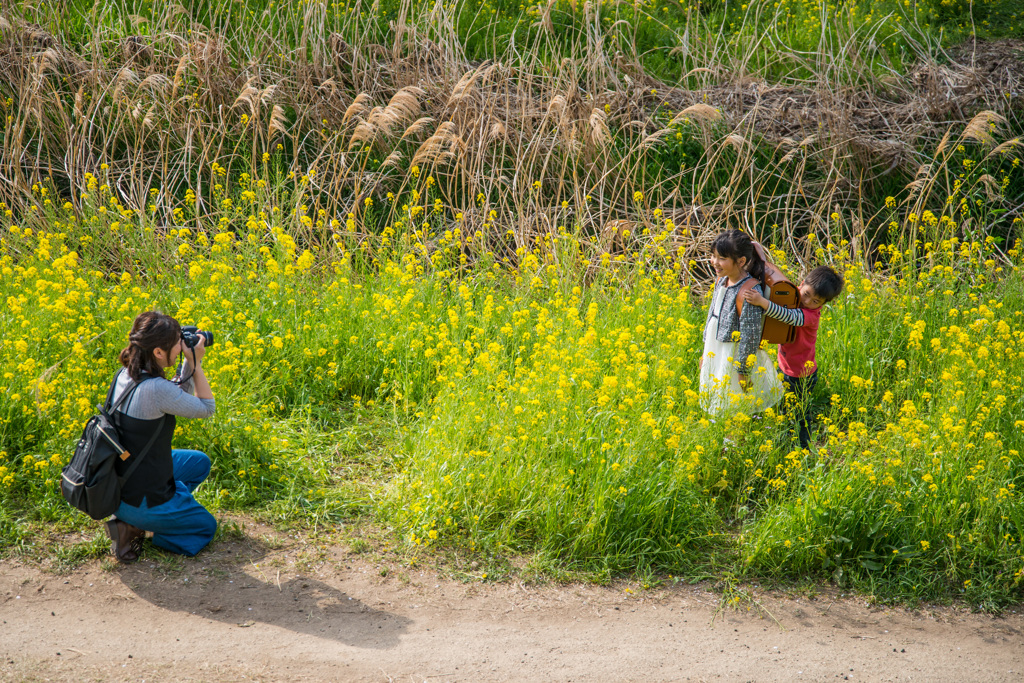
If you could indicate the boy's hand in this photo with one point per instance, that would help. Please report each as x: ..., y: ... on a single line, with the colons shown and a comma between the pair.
x: 752, y: 297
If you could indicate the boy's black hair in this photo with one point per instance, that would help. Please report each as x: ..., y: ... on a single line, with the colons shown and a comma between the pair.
x: 825, y: 282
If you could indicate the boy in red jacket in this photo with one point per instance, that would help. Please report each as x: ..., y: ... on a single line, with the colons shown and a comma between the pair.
x: 796, y: 359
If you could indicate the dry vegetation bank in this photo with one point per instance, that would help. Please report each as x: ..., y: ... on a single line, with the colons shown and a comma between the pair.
x: 538, y: 144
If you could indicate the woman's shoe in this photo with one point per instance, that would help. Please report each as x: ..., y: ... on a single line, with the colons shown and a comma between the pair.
x: 127, y: 540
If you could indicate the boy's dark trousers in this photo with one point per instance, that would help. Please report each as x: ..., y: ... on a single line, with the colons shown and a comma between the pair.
x: 802, y: 388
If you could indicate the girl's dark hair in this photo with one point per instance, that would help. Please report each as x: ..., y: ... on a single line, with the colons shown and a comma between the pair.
x: 736, y: 243
x: 151, y: 330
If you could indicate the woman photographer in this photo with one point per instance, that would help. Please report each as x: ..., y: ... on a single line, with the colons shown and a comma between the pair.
x: 157, y: 498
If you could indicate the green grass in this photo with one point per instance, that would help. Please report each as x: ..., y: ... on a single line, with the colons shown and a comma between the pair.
x: 776, y: 39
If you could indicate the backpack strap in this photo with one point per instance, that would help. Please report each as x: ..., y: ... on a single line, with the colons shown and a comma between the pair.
x: 156, y: 432
x: 129, y: 390
x: 110, y: 391
x: 749, y: 283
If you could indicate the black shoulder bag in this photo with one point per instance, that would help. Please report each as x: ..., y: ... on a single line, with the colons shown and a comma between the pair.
x: 89, y: 482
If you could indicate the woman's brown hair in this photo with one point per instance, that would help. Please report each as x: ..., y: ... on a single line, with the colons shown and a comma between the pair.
x: 151, y: 330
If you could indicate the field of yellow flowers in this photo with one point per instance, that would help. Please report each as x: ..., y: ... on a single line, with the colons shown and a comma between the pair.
x: 455, y: 258
x: 529, y: 409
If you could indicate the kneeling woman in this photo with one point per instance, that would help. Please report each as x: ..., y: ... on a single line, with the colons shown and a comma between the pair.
x: 158, y: 497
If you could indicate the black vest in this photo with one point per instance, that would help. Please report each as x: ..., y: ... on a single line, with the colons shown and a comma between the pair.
x: 153, y: 479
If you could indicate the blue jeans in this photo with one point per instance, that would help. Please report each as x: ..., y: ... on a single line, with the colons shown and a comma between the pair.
x: 802, y: 388
x: 181, y: 525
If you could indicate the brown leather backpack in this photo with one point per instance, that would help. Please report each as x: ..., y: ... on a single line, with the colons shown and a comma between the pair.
x: 780, y: 291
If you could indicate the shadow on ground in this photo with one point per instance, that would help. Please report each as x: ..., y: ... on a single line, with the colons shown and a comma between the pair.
x: 229, y: 583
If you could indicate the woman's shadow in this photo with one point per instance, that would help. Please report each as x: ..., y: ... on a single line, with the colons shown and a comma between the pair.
x: 225, y: 583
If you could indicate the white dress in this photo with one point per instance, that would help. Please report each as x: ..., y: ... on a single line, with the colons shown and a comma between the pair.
x: 720, y: 391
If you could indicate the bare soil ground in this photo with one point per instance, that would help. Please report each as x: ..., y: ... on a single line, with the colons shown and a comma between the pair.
x: 262, y: 606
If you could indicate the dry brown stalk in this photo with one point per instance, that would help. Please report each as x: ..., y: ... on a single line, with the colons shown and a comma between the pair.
x: 417, y: 127
x: 440, y: 147
x: 364, y: 133
x: 599, y: 133
x: 278, y: 122
x: 982, y: 126
x: 699, y: 111
x: 358, y: 107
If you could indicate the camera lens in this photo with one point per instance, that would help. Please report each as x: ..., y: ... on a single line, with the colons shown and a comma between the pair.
x: 190, y: 336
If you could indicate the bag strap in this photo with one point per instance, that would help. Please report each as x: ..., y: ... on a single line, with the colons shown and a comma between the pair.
x: 156, y: 432
x: 749, y: 283
x: 129, y: 390
x: 110, y: 391
x: 145, y: 449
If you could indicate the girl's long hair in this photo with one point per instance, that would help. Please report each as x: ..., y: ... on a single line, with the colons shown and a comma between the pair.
x: 736, y: 243
x: 151, y: 330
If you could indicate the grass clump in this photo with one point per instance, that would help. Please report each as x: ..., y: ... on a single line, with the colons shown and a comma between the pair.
x: 562, y: 430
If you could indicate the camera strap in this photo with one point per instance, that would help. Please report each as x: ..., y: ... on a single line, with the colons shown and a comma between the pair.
x: 178, y: 379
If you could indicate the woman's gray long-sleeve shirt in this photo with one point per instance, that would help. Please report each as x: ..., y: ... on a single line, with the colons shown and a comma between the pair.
x: 146, y: 422
x: 159, y: 396
x: 749, y: 324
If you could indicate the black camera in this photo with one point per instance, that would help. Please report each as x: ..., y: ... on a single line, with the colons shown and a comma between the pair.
x: 190, y: 335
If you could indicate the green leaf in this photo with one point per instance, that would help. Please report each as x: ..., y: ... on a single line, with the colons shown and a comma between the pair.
x: 876, y: 526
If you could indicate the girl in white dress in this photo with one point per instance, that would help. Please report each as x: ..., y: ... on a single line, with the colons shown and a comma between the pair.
x: 736, y: 375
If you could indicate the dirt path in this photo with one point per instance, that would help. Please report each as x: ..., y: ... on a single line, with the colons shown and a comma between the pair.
x: 267, y: 609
